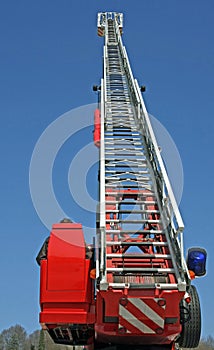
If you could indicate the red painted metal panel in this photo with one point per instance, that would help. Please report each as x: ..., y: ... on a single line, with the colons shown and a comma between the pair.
x: 66, y: 258
x: 97, y: 127
x: 65, y: 285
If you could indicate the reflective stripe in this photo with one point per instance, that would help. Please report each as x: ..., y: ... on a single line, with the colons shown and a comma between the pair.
x: 147, y: 311
x: 134, y: 321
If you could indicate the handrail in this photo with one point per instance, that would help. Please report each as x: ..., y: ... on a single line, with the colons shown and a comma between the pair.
x: 144, y: 120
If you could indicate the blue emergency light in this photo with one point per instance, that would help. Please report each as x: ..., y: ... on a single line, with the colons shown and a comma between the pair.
x: 196, y: 261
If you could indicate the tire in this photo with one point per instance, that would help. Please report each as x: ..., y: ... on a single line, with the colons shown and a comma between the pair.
x: 191, y: 325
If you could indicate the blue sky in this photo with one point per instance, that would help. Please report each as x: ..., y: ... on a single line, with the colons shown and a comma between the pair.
x: 50, y: 57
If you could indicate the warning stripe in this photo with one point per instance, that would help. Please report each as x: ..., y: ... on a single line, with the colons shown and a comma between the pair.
x: 100, y: 31
x: 129, y: 327
x: 132, y: 323
x: 143, y: 316
x: 153, y: 303
x: 146, y: 310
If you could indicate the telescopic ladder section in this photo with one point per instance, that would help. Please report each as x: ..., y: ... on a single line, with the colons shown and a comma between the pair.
x: 140, y: 225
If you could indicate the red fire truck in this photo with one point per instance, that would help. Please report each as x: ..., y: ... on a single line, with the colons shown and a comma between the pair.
x: 133, y: 287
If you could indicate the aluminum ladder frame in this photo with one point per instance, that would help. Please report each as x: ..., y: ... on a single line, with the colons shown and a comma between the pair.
x: 135, y: 191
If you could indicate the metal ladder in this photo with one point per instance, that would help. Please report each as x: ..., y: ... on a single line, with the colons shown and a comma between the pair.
x: 140, y: 223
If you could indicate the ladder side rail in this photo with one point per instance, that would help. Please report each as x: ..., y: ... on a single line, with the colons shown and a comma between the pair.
x: 97, y: 253
x: 176, y: 252
x: 103, y: 101
x: 169, y: 198
x: 102, y: 187
x: 138, y: 100
x: 178, y: 245
x: 170, y: 207
x: 131, y: 82
x: 183, y: 264
x: 177, y: 237
x: 105, y: 58
x: 180, y: 242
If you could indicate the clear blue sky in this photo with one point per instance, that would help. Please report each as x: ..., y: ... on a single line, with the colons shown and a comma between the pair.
x: 50, y: 56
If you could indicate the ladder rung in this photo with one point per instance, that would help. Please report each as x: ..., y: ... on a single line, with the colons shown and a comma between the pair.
x: 128, y: 134
x: 131, y: 232
x: 133, y: 166
x: 138, y: 178
x: 118, y: 180
x: 136, y: 160
x: 121, y: 243
x: 126, y: 148
x: 141, y: 256
x: 128, y: 138
x: 136, y: 173
x: 125, y: 139
x: 122, y: 149
x: 116, y: 117
x: 140, y: 194
x: 124, y: 211
x: 117, y: 184
x: 115, y: 221
x: 117, y: 154
x: 140, y: 269
x: 124, y: 202
x: 122, y: 143
x: 169, y: 286
x: 119, y: 127
x: 120, y: 103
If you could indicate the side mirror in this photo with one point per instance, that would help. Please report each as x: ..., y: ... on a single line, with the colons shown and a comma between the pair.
x: 196, y: 261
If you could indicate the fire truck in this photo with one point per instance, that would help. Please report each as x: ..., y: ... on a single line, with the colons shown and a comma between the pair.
x: 133, y: 287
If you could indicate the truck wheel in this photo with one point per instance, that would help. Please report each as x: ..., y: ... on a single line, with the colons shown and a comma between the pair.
x: 191, y: 321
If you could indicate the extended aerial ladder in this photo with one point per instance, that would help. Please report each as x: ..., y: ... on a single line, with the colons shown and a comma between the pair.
x: 137, y: 205
x: 141, y: 293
